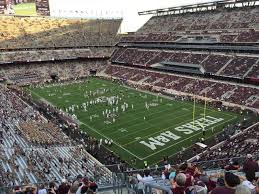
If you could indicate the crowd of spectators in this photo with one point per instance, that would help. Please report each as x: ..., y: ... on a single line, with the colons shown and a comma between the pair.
x: 152, y: 37
x: 26, y: 73
x: 239, y: 66
x: 224, y: 26
x: 221, y: 91
x: 228, y: 167
x: 80, y: 184
x: 187, y: 178
x: 241, y: 144
x: 215, y: 63
x: 44, y: 134
x: 35, y: 150
x: 39, y: 32
x: 234, y: 36
x: 248, y: 36
x: 51, y: 55
x: 236, y: 18
x: 254, y: 73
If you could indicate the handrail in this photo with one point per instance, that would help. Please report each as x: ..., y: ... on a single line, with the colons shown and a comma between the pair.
x: 150, y: 186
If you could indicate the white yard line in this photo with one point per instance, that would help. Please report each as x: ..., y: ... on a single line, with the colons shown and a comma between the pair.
x: 156, y: 131
x: 163, y: 129
x: 124, y: 123
x: 136, y: 131
x: 96, y: 131
x: 42, y: 98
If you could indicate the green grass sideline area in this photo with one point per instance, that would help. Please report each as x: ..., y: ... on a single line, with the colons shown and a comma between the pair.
x: 141, y: 125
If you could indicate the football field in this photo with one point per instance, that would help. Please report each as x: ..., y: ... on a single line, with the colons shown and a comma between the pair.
x: 141, y: 125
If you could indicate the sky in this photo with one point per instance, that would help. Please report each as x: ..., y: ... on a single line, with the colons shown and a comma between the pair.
x: 126, y: 9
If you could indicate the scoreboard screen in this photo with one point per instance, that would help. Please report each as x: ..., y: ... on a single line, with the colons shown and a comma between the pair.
x: 25, y: 7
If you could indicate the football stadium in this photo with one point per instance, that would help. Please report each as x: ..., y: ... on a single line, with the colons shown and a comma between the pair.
x: 169, y: 107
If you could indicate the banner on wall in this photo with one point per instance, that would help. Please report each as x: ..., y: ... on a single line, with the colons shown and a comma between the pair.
x: 25, y: 7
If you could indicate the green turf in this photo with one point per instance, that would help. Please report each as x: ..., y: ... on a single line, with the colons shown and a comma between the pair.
x: 28, y: 9
x: 130, y: 128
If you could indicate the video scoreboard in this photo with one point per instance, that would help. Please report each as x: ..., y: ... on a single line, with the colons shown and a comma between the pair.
x: 8, y: 6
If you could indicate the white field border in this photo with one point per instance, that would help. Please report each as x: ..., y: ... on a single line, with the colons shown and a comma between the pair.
x: 114, y: 142
x: 139, y: 113
x: 159, y: 131
x: 144, y: 129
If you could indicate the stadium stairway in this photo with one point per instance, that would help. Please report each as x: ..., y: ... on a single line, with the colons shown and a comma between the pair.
x: 17, y: 138
x: 143, y: 80
x: 227, y: 94
x: 157, y: 81
x: 207, y: 89
x: 251, y: 68
x: 225, y: 66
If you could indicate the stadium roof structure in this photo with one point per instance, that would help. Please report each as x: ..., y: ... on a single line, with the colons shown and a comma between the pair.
x: 200, y: 7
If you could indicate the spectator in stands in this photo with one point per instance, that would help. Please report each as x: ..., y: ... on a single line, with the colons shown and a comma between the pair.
x: 201, y: 175
x: 42, y: 190
x: 30, y: 190
x: 242, y: 190
x: 64, y: 187
x: 178, y: 185
x: 17, y: 190
x: 169, y: 172
x: 88, y: 185
x: 85, y: 185
x: 250, y: 164
x: 79, y: 180
x: 231, y: 181
x: 146, y: 177
x: 51, y: 191
x: 257, y: 187
x: 250, y: 178
x: 188, y: 170
x: 52, y: 188
x: 234, y: 165
x: 92, y: 185
x: 201, y: 179
x: 73, y: 189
